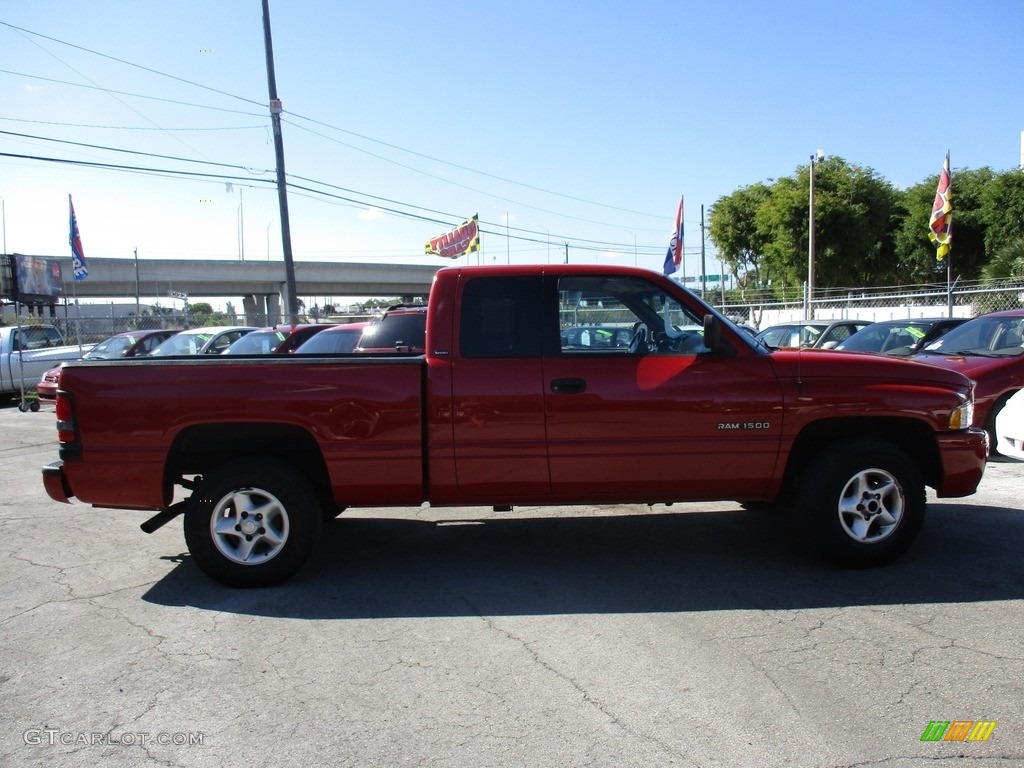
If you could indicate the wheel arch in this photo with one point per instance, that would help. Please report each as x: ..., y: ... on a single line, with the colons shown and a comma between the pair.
x: 200, y: 449
x: 913, y: 437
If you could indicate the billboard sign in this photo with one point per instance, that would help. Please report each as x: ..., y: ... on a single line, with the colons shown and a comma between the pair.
x: 37, y: 279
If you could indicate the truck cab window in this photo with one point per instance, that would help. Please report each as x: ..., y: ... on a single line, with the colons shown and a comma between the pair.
x: 624, y: 316
x: 501, y: 317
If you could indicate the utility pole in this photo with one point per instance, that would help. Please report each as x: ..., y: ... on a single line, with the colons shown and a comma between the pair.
x: 282, y: 189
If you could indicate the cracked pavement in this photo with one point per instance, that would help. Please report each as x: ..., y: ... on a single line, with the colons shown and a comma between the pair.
x: 696, y: 635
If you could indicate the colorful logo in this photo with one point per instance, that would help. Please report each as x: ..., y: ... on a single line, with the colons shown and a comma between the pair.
x: 958, y: 730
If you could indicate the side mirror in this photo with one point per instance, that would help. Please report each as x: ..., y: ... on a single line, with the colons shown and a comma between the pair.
x: 713, y: 338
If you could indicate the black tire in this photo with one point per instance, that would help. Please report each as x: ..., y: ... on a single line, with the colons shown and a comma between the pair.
x: 861, y: 503
x: 252, y: 523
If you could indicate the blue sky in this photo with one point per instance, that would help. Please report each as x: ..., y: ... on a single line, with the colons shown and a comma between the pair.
x: 562, y: 121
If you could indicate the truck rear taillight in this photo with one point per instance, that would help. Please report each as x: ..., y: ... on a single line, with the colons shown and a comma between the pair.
x: 67, y: 431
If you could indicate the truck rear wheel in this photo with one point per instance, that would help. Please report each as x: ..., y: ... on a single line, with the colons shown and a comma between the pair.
x: 863, y: 503
x: 252, y: 523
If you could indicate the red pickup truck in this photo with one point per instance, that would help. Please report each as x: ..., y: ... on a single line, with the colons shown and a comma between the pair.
x: 658, y: 398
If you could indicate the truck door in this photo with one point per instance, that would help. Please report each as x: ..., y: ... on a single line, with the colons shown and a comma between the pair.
x: 497, y: 389
x: 652, y: 418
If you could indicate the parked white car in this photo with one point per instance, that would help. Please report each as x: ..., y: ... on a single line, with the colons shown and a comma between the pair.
x: 1010, y: 428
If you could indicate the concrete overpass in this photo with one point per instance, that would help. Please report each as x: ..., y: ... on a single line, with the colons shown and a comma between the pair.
x: 115, y: 278
x: 259, y: 284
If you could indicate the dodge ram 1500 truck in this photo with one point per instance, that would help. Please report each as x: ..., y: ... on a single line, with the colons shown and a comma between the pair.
x: 533, y: 382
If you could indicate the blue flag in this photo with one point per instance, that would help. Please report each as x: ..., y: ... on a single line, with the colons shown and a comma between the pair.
x: 80, y: 268
x: 674, y: 256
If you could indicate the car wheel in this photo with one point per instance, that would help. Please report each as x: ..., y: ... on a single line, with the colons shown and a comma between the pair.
x: 862, y: 503
x: 252, y: 523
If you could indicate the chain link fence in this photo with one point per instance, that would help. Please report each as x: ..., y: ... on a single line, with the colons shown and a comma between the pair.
x: 875, y: 304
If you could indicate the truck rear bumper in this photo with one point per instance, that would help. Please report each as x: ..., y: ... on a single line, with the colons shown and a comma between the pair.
x: 56, y: 482
x: 963, y: 462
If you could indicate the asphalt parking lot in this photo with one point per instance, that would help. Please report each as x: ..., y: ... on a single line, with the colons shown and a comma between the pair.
x: 698, y: 635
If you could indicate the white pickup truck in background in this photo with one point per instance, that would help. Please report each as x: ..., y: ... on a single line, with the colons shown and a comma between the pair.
x: 28, y: 351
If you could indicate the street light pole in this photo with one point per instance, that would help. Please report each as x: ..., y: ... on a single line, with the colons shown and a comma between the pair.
x: 138, y: 307
x: 820, y: 155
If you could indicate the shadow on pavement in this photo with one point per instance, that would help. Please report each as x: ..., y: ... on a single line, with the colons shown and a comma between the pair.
x: 714, y: 561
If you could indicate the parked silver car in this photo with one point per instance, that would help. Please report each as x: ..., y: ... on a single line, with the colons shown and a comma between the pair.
x: 820, y: 334
x: 202, y: 341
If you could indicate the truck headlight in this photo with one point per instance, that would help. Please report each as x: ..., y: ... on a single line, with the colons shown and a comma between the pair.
x: 962, y: 416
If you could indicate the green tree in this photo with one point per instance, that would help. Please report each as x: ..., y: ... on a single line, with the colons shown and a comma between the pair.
x: 732, y: 227
x: 915, y: 253
x: 199, y: 313
x: 855, y: 214
x: 1007, y: 263
x: 765, y: 229
x: 1002, y: 210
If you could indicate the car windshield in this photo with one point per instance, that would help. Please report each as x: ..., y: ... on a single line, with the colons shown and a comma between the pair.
x: 111, y: 348
x: 257, y: 343
x: 331, y: 342
x: 883, y: 338
x: 183, y: 344
x: 799, y: 335
x: 984, y: 336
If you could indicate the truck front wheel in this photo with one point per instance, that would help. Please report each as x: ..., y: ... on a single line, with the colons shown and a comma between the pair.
x: 863, y: 503
x: 252, y: 523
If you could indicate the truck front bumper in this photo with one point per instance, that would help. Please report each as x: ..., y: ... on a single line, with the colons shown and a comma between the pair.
x: 964, y: 455
x: 56, y: 482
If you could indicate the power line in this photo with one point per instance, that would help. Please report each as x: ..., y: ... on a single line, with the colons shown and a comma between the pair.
x: 131, y: 64
x: 454, y: 183
x: 579, y: 244
x: 453, y: 165
x: 130, y: 151
x: 130, y: 127
x: 535, y: 236
x: 363, y: 137
x: 130, y: 93
x: 134, y: 168
x: 113, y: 96
x: 364, y: 196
